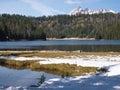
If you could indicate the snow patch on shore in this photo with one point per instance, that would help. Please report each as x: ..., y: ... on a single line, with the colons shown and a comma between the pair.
x: 101, y: 81
x: 89, y: 60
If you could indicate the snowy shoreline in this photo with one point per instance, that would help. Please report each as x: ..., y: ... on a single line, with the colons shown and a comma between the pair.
x: 100, y: 81
x: 70, y: 38
x: 88, y: 60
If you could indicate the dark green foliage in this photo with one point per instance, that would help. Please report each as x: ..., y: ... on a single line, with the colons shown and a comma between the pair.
x: 42, y: 79
x: 16, y: 27
x: 104, y: 69
x: 98, y: 26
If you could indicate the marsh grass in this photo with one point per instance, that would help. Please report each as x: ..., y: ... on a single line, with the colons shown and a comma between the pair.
x: 17, y: 64
x: 65, y: 69
x: 58, y: 69
x: 54, y: 54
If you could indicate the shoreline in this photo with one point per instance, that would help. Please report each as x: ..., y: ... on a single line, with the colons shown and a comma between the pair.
x: 70, y: 39
x: 78, y: 52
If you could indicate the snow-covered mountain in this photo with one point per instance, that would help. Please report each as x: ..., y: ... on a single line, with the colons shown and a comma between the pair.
x: 80, y: 10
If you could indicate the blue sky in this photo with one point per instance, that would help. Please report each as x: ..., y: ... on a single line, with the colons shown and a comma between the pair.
x: 53, y: 7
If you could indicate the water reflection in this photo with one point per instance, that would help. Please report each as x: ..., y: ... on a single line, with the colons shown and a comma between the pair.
x: 69, y: 45
x: 85, y: 48
x: 12, y: 77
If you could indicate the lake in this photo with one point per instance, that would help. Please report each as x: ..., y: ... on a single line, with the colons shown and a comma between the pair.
x: 26, y: 77
x: 68, y: 45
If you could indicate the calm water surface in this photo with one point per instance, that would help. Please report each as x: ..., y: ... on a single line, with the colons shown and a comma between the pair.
x: 70, y: 45
x: 12, y: 77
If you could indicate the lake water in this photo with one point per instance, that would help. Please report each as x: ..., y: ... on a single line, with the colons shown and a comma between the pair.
x: 69, y: 45
x: 13, y: 77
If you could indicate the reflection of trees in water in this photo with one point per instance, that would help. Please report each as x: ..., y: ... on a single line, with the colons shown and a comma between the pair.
x: 86, y: 48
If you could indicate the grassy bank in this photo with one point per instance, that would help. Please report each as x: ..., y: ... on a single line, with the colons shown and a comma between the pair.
x: 53, y: 54
x: 58, y: 69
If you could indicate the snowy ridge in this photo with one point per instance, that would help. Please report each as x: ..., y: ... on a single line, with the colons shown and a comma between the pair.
x: 80, y: 10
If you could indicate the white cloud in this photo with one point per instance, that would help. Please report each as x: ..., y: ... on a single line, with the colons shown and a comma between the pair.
x: 44, y: 10
x: 70, y: 2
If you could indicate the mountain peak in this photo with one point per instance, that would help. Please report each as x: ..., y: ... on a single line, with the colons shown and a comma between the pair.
x: 80, y: 10
x: 75, y: 11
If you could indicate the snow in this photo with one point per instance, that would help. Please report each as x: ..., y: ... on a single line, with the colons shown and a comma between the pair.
x: 99, y: 81
x: 89, y: 82
x: 20, y: 58
x: 88, y: 60
x: 114, y: 70
x: 80, y: 10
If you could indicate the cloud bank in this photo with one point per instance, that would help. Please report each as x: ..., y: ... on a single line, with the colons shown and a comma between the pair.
x: 70, y: 2
x: 43, y: 9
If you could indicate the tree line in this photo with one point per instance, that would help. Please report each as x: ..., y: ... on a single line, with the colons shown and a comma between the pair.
x: 17, y: 27
x: 98, y: 26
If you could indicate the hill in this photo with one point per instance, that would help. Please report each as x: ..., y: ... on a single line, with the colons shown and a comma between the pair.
x: 98, y: 26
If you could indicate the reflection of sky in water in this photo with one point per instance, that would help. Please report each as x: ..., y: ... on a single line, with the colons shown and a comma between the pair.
x: 10, y: 77
x: 58, y: 42
x: 84, y: 45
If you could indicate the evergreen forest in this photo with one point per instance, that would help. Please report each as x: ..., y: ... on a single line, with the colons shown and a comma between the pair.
x: 99, y: 26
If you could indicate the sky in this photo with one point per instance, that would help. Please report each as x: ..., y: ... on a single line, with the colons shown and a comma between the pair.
x: 53, y: 7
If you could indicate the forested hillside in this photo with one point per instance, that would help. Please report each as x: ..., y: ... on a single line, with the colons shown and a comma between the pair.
x: 98, y: 26
x: 16, y: 27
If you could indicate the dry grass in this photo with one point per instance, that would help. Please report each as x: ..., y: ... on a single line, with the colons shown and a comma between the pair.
x: 53, y: 54
x: 58, y: 69
x: 64, y: 69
